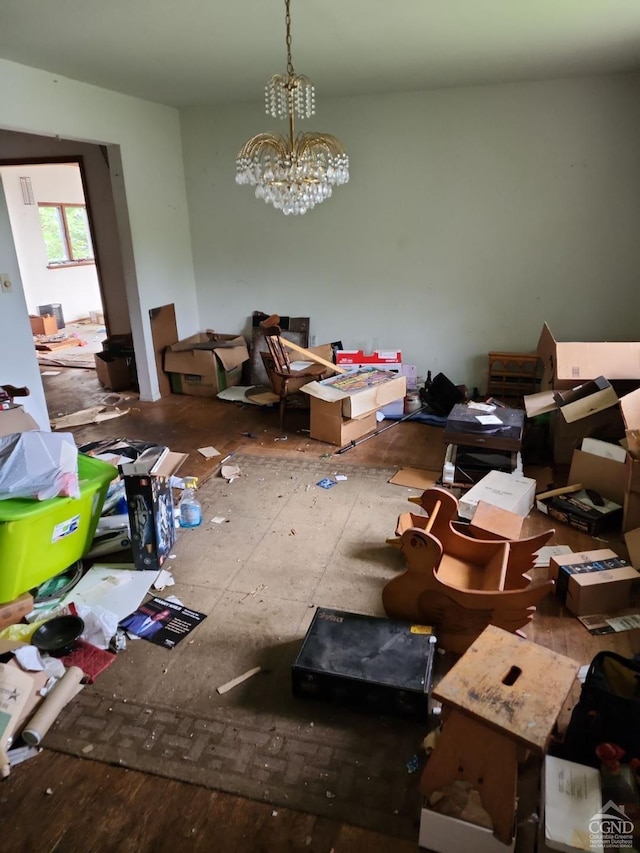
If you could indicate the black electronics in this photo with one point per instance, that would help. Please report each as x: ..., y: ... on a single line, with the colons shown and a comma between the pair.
x: 376, y: 664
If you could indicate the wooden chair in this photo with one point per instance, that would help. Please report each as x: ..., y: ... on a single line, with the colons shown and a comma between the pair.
x: 284, y: 378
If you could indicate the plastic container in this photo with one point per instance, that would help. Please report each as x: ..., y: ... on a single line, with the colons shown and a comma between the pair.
x: 190, y: 508
x: 38, y: 539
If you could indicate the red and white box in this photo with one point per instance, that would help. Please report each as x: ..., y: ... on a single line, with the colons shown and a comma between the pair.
x: 358, y: 357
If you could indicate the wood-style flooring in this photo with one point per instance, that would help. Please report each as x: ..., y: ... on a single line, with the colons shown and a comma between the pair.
x: 60, y: 803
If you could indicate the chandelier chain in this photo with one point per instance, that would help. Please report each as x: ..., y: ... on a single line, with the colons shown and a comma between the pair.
x: 290, y: 70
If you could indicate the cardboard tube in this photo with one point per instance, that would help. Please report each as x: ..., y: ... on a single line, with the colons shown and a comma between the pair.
x: 60, y: 694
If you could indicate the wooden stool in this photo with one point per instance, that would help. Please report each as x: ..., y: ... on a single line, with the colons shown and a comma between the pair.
x: 503, y: 696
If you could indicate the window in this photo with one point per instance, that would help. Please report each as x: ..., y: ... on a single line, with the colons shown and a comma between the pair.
x: 65, y: 229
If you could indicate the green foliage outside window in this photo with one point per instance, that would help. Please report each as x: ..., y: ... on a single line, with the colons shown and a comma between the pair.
x: 65, y: 229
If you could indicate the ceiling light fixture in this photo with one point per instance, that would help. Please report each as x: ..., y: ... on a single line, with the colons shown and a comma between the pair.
x: 292, y: 173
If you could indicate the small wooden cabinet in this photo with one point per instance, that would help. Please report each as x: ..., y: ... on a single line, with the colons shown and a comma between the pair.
x: 513, y: 374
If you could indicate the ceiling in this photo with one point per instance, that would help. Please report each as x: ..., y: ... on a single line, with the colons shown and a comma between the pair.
x: 187, y: 52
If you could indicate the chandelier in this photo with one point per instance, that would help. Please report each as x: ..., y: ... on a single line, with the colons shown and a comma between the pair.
x: 293, y: 173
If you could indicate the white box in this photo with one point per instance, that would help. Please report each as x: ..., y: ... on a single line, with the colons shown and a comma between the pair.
x: 517, y: 494
x: 443, y: 834
x: 572, y: 798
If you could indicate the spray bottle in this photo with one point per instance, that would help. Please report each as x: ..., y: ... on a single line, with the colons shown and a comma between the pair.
x: 190, y: 508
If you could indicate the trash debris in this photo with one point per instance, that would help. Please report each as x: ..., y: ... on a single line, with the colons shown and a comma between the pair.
x: 341, y: 476
x: 230, y: 472
x: 162, y: 621
x: 413, y: 764
x: 224, y: 688
x: 218, y: 519
x: 326, y: 483
x: 208, y: 452
x: 281, y: 438
x: 249, y: 434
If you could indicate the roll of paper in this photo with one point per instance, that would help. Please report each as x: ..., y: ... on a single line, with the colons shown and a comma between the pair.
x: 60, y: 695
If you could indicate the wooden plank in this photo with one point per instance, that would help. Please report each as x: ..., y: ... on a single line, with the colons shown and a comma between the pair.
x: 312, y: 356
x: 511, y: 685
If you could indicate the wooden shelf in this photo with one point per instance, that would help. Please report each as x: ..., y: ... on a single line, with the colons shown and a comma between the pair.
x: 512, y: 374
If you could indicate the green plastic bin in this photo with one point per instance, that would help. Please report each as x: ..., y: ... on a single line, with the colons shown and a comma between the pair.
x: 38, y: 539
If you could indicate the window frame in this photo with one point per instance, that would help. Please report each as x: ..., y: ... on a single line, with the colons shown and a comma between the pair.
x: 65, y: 235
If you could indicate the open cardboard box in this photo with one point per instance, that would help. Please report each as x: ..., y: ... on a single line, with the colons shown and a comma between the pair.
x: 360, y: 392
x: 567, y: 364
x: 204, y: 364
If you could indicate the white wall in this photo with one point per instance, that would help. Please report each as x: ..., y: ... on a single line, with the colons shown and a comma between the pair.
x: 18, y: 363
x: 75, y: 288
x: 149, y: 189
x: 471, y: 217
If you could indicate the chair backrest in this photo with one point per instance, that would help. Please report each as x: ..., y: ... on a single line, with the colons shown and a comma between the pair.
x: 277, y: 350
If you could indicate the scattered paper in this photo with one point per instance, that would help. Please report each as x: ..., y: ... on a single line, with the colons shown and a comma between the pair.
x: 481, y: 407
x: 230, y: 472
x: 224, y: 688
x: 164, y: 578
x: 218, y: 519
x: 117, y: 588
x: 208, y: 452
x: 29, y: 658
x: 543, y: 555
x: 341, y: 476
x: 488, y: 420
x: 50, y: 373
x: 163, y: 622
x: 611, y: 623
x: 300, y: 365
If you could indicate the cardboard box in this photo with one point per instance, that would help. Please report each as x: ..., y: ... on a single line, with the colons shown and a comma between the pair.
x: 206, y: 363
x: 630, y: 408
x: 443, y: 834
x: 567, y: 364
x: 595, y: 582
x: 150, y: 503
x: 577, y: 510
x: 592, y: 467
x: 13, y: 611
x: 97, y: 317
x: 567, y: 437
x: 328, y: 424
x: 571, y: 797
x: 112, y: 371
x: 516, y: 494
x: 574, y: 404
x: 45, y: 325
x: 360, y: 392
x: 16, y: 419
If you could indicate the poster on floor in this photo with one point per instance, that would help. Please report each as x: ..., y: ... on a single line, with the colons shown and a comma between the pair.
x: 162, y: 622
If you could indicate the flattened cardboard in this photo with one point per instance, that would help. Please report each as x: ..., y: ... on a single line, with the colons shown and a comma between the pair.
x: 586, y: 399
x: 576, y: 403
x: 415, y: 478
x: 16, y: 420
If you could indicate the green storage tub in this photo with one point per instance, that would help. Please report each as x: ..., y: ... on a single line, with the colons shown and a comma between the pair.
x: 38, y: 539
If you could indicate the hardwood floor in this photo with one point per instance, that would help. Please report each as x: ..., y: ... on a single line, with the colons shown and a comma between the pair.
x: 59, y: 803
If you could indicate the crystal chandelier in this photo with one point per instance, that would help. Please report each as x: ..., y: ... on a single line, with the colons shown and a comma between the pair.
x: 293, y: 173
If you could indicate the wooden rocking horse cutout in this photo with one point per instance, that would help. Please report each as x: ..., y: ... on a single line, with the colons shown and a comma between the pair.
x: 459, y: 584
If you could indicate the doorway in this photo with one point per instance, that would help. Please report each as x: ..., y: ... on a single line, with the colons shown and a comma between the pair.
x: 92, y: 290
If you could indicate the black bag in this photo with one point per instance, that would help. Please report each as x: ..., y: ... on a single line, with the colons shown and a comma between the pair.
x: 608, y: 710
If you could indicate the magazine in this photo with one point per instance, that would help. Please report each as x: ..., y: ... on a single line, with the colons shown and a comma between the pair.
x: 162, y: 622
